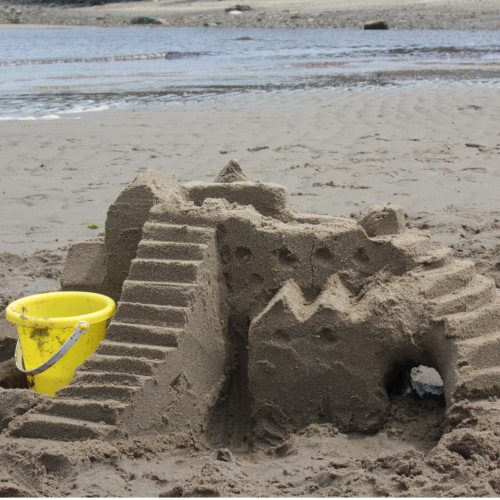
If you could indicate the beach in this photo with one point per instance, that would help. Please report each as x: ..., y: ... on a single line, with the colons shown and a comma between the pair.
x: 400, y: 14
x: 337, y: 151
x: 430, y: 145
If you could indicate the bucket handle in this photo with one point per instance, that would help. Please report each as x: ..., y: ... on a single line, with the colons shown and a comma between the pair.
x: 81, y: 328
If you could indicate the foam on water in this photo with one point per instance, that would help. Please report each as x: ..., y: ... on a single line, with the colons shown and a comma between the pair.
x: 103, y: 107
x: 133, y: 57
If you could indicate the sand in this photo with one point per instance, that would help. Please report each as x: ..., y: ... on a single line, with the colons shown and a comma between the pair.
x: 400, y: 14
x: 338, y: 152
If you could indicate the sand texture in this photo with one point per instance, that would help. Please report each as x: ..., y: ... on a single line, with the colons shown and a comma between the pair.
x: 243, y: 302
x: 400, y: 14
x: 337, y: 153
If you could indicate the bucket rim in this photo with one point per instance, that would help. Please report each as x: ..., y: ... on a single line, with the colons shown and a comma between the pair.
x: 18, y: 318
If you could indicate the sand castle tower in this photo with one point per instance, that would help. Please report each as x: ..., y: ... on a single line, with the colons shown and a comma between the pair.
x: 327, y: 311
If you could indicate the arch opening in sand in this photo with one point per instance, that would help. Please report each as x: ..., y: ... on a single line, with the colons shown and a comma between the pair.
x: 415, y: 379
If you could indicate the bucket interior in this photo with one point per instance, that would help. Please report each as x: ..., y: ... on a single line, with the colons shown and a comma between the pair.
x: 67, y: 306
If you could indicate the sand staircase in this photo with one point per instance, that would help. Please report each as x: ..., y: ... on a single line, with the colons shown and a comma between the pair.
x: 466, y: 305
x: 140, y: 357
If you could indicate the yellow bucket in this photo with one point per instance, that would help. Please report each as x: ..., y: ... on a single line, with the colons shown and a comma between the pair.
x: 51, y: 323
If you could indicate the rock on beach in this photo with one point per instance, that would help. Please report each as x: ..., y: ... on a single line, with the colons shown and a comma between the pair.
x: 377, y: 25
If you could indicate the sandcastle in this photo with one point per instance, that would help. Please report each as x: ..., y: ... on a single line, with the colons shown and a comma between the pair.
x: 323, y: 313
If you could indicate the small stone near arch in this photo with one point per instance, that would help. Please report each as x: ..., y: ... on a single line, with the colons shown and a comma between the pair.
x: 232, y: 172
x: 380, y: 24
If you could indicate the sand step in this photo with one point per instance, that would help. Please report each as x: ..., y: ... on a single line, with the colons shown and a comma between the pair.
x: 167, y: 294
x: 109, y: 348
x: 89, y: 410
x: 478, y: 292
x: 479, y: 352
x: 109, y: 378
x: 478, y: 384
x: 153, y: 315
x: 39, y: 426
x: 170, y: 250
x: 168, y: 232
x: 176, y: 271
x: 475, y: 410
x: 123, y: 393
x: 444, y: 280
x: 143, y: 334
x: 476, y: 323
x: 119, y: 364
x: 435, y: 257
x: 413, y: 243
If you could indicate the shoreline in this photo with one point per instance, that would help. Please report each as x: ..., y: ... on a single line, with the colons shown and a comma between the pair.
x: 277, y: 14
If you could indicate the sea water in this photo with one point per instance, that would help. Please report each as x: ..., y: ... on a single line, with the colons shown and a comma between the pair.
x: 50, y: 73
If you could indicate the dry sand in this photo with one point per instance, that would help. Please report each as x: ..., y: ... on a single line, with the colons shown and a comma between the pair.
x: 338, y: 152
x: 401, y: 14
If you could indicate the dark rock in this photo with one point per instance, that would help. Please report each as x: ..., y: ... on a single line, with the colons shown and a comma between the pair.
x: 145, y: 20
x: 241, y: 8
x: 376, y: 25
